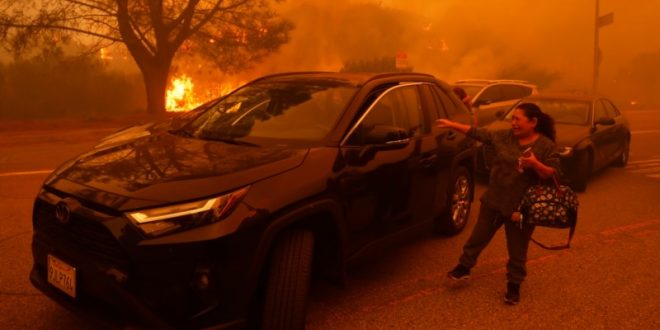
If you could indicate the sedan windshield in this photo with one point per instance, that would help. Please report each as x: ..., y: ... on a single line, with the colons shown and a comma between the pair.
x: 301, y: 110
x: 562, y: 111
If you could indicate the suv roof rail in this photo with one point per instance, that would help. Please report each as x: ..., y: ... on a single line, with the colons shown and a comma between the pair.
x: 493, y: 81
x: 390, y: 74
x: 367, y: 76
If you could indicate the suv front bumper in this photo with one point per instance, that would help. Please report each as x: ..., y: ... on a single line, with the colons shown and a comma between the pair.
x: 120, y: 287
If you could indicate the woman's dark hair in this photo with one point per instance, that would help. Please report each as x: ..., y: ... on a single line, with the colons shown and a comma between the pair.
x: 544, y: 123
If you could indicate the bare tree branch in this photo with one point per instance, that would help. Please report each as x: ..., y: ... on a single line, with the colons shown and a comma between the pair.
x: 231, y: 33
x: 60, y: 27
x: 185, y: 15
x: 203, y: 21
x: 142, y: 36
x: 98, y: 6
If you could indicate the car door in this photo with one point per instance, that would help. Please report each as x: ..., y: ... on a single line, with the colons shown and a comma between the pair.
x: 620, y: 130
x: 603, y: 136
x: 448, y: 143
x: 385, y: 191
x: 430, y: 163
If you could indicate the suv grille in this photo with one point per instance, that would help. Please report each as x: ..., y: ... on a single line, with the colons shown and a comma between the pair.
x: 81, y: 234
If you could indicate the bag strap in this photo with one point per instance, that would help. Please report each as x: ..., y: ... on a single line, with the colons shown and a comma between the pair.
x: 556, y: 181
x: 559, y: 247
x: 559, y: 191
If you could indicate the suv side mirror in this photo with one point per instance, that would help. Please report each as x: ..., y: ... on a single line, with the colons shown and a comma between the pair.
x: 605, y: 121
x: 385, y: 137
x: 378, y: 138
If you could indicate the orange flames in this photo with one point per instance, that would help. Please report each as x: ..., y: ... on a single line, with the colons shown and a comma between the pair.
x: 181, y: 96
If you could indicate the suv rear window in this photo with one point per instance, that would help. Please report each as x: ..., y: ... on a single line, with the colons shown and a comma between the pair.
x: 471, y: 90
x: 492, y: 94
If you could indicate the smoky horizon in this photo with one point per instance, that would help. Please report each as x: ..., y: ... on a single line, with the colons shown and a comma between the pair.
x: 549, y: 44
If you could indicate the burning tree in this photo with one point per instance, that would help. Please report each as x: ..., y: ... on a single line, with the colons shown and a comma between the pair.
x: 231, y: 34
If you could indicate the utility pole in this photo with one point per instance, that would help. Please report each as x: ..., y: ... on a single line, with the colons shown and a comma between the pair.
x: 600, y: 21
x: 594, y: 86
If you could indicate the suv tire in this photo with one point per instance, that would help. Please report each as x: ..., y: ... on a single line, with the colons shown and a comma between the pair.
x: 454, y: 219
x: 288, y: 281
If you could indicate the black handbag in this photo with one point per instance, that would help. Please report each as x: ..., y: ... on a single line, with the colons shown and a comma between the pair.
x: 550, y: 205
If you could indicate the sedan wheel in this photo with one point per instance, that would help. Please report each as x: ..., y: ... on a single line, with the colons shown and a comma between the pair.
x: 458, y: 211
x: 625, y: 154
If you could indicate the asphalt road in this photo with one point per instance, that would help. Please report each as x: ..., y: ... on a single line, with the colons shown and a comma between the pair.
x: 607, y: 280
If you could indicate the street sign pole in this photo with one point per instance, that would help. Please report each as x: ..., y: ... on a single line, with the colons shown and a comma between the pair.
x: 594, y: 86
x: 600, y: 21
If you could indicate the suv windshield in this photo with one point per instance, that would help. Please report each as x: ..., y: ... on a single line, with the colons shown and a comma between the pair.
x: 562, y: 111
x: 300, y: 110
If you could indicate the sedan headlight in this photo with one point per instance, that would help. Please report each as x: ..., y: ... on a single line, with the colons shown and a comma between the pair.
x: 161, y: 220
x: 565, y: 151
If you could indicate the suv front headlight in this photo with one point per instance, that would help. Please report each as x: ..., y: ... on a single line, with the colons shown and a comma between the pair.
x: 158, y: 221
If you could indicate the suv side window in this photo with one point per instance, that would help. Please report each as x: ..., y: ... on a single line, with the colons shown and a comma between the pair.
x: 412, y: 106
x: 524, y: 91
x: 445, y: 102
x: 491, y: 94
x: 400, y: 107
x: 510, y: 92
x: 436, y: 108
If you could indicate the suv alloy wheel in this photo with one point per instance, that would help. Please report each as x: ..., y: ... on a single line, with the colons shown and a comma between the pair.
x: 456, y: 216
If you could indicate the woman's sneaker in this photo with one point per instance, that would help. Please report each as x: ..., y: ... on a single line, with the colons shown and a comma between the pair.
x: 512, y: 296
x: 459, y: 272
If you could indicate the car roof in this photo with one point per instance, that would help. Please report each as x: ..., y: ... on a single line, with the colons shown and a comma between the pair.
x: 563, y: 96
x: 358, y: 78
x: 485, y: 82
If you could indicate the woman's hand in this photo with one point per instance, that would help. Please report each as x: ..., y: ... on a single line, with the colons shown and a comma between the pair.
x: 530, y: 161
x: 516, y: 216
x: 446, y: 123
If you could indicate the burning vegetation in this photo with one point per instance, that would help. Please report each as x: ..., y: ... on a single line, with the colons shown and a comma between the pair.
x: 181, y: 94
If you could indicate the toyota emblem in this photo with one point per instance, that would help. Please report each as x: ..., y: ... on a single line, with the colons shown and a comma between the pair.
x: 63, y: 212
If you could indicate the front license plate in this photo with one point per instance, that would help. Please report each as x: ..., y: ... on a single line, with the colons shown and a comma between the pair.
x: 62, y: 275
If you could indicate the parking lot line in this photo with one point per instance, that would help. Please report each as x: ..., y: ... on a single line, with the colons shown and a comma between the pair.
x: 650, y: 131
x: 26, y: 173
x: 645, y: 161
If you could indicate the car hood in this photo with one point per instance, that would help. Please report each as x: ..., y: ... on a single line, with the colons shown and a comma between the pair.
x: 570, y: 135
x: 160, y: 168
x: 567, y: 135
